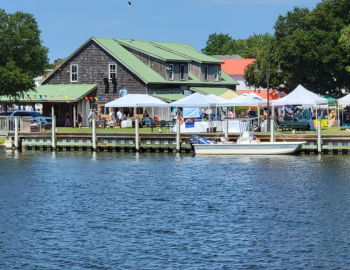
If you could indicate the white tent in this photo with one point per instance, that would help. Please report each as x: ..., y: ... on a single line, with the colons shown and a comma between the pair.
x: 137, y: 100
x: 195, y: 100
x: 344, y: 100
x: 300, y: 96
x: 217, y: 98
x: 244, y: 100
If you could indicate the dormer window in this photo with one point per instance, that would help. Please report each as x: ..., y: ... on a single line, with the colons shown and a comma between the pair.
x: 205, y: 73
x: 216, y: 74
x: 112, y: 72
x: 182, y: 72
x: 73, y: 73
x: 171, y: 72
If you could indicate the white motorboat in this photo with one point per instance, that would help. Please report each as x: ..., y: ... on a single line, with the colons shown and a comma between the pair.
x: 247, y: 144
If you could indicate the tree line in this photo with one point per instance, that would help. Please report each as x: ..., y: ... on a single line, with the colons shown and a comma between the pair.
x: 312, y: 47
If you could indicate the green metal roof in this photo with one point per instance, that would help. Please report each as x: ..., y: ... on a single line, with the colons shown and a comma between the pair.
x: 169, y: 97
x: 148, y: 48
x: 144, y: 72
x: 129, y: 60
x: 185, y: 50
x: 211, y: 90
x: 56, y: 92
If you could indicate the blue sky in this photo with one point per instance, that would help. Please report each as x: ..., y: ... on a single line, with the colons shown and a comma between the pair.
x: 67, y: 24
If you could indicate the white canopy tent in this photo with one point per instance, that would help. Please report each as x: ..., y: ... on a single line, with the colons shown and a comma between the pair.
x: 341, y: 102
x: 195, y: 100
x: 344, y: 100
x: 300, y: 96
x: 244, y: 100
x: 137, y: 100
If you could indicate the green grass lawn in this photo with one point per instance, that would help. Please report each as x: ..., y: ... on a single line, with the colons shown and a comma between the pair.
x: 325, y: 130
x: 2, y: 140
x: 111, y: 130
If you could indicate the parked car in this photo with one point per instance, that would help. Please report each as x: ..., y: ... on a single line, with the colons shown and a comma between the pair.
x: 45, y: 121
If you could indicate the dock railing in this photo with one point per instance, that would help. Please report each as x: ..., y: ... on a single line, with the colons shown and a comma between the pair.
x: 7, y: 124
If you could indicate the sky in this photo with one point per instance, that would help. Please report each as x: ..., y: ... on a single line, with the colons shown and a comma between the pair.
x: 66, y: 24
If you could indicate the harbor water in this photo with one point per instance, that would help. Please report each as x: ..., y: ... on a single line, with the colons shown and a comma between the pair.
x: 108, y: 210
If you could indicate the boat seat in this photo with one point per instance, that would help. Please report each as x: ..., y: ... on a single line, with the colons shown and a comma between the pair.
x: 223, y: 140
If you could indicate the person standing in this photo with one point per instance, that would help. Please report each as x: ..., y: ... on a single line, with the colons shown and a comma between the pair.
x: 80, y: 119
x: 90, y: 118
x: 130, y: 113
x: 120, y: 117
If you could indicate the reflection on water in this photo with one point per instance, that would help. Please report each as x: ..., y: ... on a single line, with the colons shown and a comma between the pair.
x: 78, y: 210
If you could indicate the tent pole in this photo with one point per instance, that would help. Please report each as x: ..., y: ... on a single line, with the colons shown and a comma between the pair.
x: 338, y: 118
x: 328, y: 114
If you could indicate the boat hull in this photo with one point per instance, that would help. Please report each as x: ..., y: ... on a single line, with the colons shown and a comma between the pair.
x: 263, y: 148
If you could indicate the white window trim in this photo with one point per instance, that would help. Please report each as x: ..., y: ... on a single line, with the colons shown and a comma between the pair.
x: 171, y: 78
x: 109, y: 71
x: 216, y: 74
x: 206, y: 67
x: 182, y: 79
x: 71, y: 72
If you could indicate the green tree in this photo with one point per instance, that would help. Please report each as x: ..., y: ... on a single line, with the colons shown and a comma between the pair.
x: 218, y: 44
x: 307, y: 42
x: 22, y: 55
x: 345, y: 40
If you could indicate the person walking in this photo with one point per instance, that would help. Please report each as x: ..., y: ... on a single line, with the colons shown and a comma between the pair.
x: 90, y: 118
x: 80, y: 119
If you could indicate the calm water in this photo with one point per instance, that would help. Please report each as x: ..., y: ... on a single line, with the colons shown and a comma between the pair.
x: 80, y: 210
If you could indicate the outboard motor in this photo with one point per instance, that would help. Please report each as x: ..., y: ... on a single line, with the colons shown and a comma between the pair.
x: 194, y: 139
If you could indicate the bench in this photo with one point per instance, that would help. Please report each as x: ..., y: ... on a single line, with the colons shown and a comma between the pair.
x: 297, y: 125
x: 160, y: 124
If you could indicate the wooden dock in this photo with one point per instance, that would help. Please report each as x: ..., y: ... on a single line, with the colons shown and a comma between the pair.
x: 163, y: 142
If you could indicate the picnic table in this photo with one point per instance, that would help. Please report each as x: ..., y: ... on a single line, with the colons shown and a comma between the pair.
x: 297, y: 125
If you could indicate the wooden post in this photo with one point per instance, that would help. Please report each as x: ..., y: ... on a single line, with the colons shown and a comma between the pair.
x: 137, y: 145
x: 16, y: 132
x: 94, y: 148
x: 53, y: 135
x: 74, y: 116
x: 52, y: 110
x: 319, y: 142
x: 178, y: 134
x: 226, y: 129
x: 272, y: 128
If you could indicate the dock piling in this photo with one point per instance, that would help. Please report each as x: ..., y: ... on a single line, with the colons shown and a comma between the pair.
x: 272, y: 139
x: 319, y: 142
x: 16, y: 132
x: 94, y: 148
x: 53, y: 136
x: 178, y: 149
x: 137, y: 145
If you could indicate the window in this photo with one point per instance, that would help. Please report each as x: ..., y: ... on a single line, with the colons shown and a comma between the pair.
x: 182, y: 72
x: 171, y: 72
x: 74, y: 73
x: 216, y: 73
x: 112, y: 72
x: 205, y: 73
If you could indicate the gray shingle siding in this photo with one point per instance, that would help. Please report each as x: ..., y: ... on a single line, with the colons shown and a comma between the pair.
x: 93, y: 68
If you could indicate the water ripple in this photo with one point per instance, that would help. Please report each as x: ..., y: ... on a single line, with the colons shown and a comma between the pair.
x: 81, y: 210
